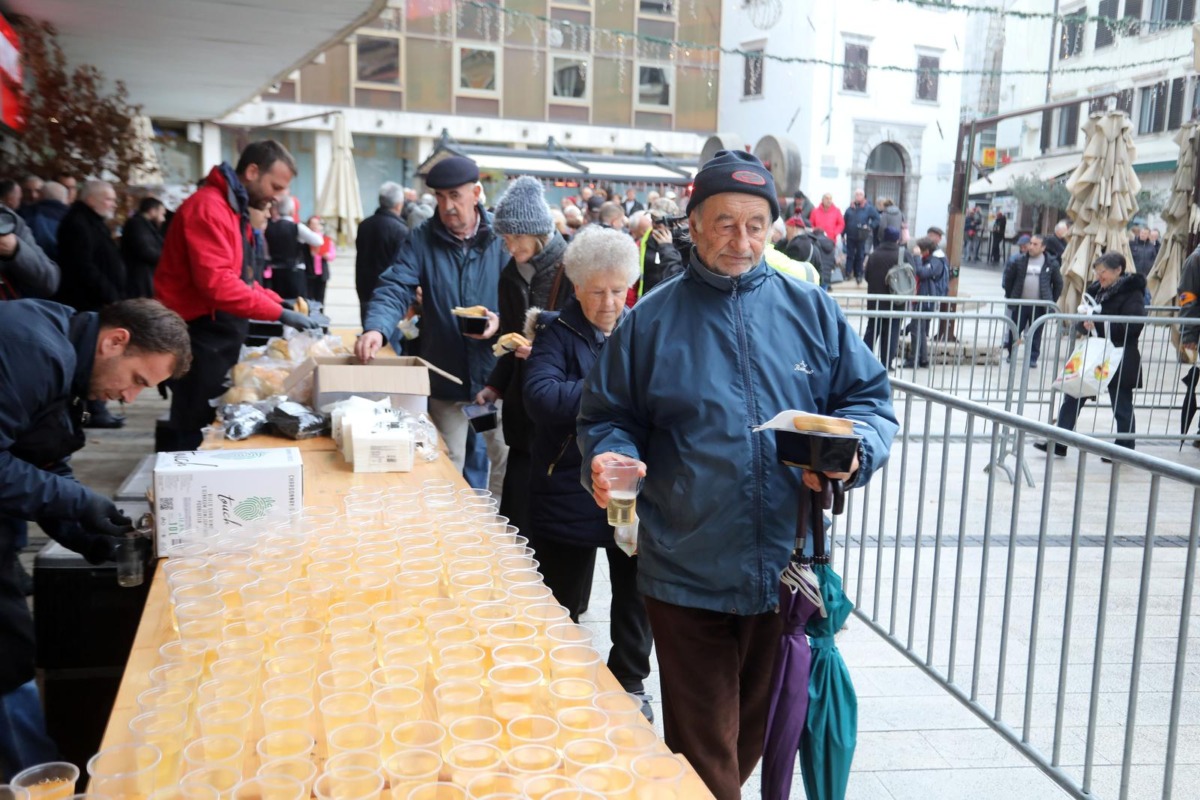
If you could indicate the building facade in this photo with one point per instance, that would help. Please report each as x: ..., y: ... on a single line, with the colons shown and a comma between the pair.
x: 888, y: 132
x: 1136, y: 52
x: 513, y: 73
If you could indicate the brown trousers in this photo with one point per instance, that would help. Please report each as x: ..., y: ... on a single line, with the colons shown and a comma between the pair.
x: 715, y: 670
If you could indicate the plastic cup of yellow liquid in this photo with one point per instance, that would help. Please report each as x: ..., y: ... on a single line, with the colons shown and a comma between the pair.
x: 462, y: 671
x: 607, y: 780
x: 413, y: 656
x: 302, y: 769
x: 519, y: 654
x: 494, y: 786
x: 244, y: 628
x: 249, y: 647
x: 355, y: 759
x: 632, y: 741
x: 544, y: 615
x: 657, y: 776
x: 506, y: 563
x: 527, y: 761
x: 408, y: 769
x: 302, y: 626
x: 54, y: 780
x: 363, y: 659
x: 624, y: 481
x: 465, y: 565
x: 181, y: 652
x: 286, y: 744
x: 530, y: 594
x: 484, y: 617
x: 580, y: 754
x: 514, y: 690
x: 348, y: 608
x: 342, y: 679
x: 354, y: 639
x: 287, y: 713
x: 569, y: 633
x: 124, y: 771
x: 478, y: 729
x: 219, y: 751
x: 351, y: 783
x: 183, y: 675
x: 416, y: 586
x: 168, y: 731
x: 395, y: 705
x: 260, y: 594
x: 464, y: 582
x: 367, y: 587
x: 345, y: 708
x: 220, y: 778
x: 166, y: 698
x: 574, y: 661
x: 385, y: 677
x: 224, y: 718
x: 355, y: 737
x: 540, y: 786
x: 304, y: 666
x: 190, y: 791
x: 532, y: 729
x: 484, y: 595
x: 442, y: 790
x: 396, y: 623
x: 287, y: 685
x: 622, y: 708
x: 308, y: 644
x: 466, y: 761
x: 570, y: 692
x: 311, y: 594
x: 459, y: 635
x: 269, y: 787
x: 422, y: 734
x: 243, y: 668
x: 458, y: 654
x: 457, y: 699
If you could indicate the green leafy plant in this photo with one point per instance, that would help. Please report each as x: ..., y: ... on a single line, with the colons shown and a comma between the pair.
x: 1040, y: 195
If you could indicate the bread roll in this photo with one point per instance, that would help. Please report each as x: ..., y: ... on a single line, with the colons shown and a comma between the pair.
x: 816, y: 423
x: 469, y: 311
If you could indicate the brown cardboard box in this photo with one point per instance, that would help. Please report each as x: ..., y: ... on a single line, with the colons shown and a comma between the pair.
x: 403, y: 379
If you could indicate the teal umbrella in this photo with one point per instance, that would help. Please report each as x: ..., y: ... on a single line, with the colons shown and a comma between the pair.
x: 831, y: 728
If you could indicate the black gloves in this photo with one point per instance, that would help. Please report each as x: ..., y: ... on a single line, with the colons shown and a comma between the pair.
x: 102, y: 516
x: 96, y: 548
x: 294, y: 319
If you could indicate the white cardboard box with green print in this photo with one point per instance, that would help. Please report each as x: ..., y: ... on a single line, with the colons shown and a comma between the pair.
x: 214, y: 491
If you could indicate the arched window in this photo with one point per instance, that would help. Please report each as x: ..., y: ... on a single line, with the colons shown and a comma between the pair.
x: 885, y: 174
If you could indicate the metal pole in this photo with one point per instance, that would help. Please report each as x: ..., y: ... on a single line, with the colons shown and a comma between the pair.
x: 1047, y: 115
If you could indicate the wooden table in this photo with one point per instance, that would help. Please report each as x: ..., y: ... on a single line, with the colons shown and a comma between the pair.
x: 327, y: 479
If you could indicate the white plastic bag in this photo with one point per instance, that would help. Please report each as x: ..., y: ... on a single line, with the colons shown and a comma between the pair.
x: 1090, y: 368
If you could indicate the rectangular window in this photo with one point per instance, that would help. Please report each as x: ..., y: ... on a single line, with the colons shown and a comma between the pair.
x: 1068, y: 125
x: 1170, y: 13
x: 1194, y: 113
x: 654, y: 86
x: 570, y: 78
x: 1133, y: 17
x: 1152, y: 112
x: 378, y: 59
x: 1071, y: 36
x: 664, y: 7
x: 477, y: 70
x: 480, y: 19
x: 854, y: 72
x: 1175, y: 112
x: 927, y: 77
x: 752, y: 73
x: 1106, y: 33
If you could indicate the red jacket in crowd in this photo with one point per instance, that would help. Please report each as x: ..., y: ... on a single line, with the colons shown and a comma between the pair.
x: 829, y: 220
x: 201, y: 268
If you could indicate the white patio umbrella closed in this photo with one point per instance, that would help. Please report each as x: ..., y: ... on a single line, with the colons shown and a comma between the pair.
x: 1182, y: 217
x: 1103, y: 191
x: 340, y: 204
x: 150, y: 172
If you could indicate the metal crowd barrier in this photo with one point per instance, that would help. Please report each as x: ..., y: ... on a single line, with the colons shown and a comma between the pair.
x: 1063, y: 623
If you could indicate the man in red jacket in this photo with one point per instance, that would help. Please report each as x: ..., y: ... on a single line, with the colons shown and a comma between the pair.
x: 205, y: 275
x: 828, y: 218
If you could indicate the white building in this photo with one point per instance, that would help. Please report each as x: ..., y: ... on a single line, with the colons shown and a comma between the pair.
x: 1143, y: 59
x: 890, y: 132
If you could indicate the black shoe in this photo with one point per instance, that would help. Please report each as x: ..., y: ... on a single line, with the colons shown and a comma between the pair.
x: 908, y: 365
x: 1059, y: 449
x: 1033, y: 363
x: 105, y: 421
x: 1195, y: 442
x: 1105, y: 459
x: 924, y: 365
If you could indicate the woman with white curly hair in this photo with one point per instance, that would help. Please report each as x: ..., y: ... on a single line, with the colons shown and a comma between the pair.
x: 566, y: 527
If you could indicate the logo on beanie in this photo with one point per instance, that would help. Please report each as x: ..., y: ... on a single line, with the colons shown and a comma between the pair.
x: 746, y: 176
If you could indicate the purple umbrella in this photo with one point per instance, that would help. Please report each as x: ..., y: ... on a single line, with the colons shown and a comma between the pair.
x: 789, y: 680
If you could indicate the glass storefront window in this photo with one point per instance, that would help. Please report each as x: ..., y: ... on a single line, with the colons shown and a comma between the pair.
x: 570, y: 78
x: 378, y: 59
x: 654, y: 86
x: 477, y: 69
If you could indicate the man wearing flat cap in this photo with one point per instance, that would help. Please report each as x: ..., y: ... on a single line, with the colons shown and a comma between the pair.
x: 722, y: 347
x: 456, y: 260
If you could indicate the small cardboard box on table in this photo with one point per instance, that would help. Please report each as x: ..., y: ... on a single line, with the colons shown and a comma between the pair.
x: 402, y: 379
x: 213, y: 491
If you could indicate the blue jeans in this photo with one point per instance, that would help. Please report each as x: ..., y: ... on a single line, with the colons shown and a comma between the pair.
x: 23, y: 739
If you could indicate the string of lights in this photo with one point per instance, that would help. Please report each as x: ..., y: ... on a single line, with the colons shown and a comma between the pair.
x: 1075, y: 16
x: 675, y: 50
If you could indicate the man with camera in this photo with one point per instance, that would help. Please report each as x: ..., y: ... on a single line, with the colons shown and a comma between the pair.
x: 660, y: 256
x: 25, y: 270
x: 861, y: 220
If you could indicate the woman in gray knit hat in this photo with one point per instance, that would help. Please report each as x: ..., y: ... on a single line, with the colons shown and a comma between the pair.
x: 532, y: 279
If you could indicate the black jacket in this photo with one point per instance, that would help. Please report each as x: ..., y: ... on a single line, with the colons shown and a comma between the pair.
x: 1144, y: 254
x: 826, y: 249
x: 93, y: 273
x: 1050, y: 282
x: 379, y: 239
x: 660, y: 263
x: 46, y: 356
x: 564, y: 351
x: 1125, y: 298
x: 882, y: 259
x: 141, y: 246
x: 517, y: 297
x: 1056, y: 246
x: 29, y: 272
x: 1188, y: 296
x: 44, y: 218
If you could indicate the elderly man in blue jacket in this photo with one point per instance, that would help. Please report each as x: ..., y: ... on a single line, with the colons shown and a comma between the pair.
x: 696, y: 364
x: 455, y: 260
